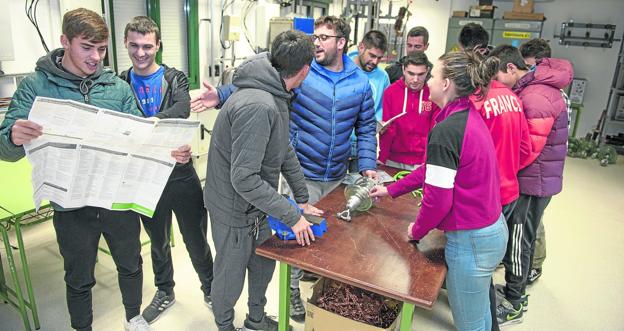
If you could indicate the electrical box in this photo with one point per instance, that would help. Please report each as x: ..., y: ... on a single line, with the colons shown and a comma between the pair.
x: 577, y: 90
x: 231, y: 28
x: 278, y: 25
x: 304, y: 24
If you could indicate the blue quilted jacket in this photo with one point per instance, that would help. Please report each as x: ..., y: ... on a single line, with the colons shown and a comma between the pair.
x: 326, y: 108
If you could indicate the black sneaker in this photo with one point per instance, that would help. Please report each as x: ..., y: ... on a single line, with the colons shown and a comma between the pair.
x: 534, y: 274
x: 507, y: 313
x: 159, y: 304
x: 208, y: 300
x: 309, y: 277
x: 297, y: 310
x: 266, y: 324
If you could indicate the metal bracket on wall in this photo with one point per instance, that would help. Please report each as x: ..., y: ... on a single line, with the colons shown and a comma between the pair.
x: 587, y: 34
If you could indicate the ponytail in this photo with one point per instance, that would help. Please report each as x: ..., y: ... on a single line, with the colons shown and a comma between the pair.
x: 470, y: 73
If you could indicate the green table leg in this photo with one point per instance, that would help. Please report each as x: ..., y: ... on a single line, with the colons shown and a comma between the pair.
x: 4, y: 294
x: 407, y: 314
x: 27, y: 280
x: 21, y: 305
x: 284, y: 296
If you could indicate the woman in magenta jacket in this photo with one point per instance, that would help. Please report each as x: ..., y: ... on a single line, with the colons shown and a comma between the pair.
x: 461, y: 188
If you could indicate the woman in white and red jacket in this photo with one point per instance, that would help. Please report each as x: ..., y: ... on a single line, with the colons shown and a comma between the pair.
x: 461, y: 188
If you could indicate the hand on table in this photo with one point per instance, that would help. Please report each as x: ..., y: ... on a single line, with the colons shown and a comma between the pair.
x: 378, y: 191
x: 372, y: 174
x: 303, y: 231
x: 308, y: 209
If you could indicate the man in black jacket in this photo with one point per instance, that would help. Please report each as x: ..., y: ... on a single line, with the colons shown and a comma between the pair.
x: 417, y: 42
x: 248, y: 150
x: 163, y: 92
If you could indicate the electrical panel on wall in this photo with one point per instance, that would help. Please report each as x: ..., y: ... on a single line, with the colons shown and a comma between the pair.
x: 231, y: 27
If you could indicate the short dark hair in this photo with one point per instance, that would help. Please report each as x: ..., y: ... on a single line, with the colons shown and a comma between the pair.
x: 84, y: 23
x: 343, y: 30
x: 142, y: 25
x: 418, y: 31
x: 508, y: 54
x: 417, y: 59
x: 537, y: 48
x: 472, y: 36
x: 375, y: 39
x: 290, y: 51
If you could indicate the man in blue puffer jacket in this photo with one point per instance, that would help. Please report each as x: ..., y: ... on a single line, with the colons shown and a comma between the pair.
x: 332, y: 101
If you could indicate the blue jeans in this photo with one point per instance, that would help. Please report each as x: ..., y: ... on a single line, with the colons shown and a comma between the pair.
x: 472, y: 257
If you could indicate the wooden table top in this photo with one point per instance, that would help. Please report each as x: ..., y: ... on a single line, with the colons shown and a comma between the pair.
x: 372, y: 251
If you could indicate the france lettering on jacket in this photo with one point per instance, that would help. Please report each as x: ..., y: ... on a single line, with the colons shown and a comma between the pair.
x: 501, y: 104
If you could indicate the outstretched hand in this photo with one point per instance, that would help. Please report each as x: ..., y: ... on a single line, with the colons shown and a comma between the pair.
x: 209, y: 98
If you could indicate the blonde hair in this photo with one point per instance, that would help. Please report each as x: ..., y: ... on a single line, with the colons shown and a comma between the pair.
x: 470, y: 73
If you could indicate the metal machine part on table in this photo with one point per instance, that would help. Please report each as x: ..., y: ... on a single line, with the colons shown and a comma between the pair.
x: 358, y: 198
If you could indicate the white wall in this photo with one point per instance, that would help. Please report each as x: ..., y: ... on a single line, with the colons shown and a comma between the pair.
x: 25, y: 39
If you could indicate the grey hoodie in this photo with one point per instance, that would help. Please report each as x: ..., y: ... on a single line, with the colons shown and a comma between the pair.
x: 250, y: 147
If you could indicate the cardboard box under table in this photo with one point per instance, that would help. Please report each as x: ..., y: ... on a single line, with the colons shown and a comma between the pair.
x: 319, y: 319
x: 372, y: 252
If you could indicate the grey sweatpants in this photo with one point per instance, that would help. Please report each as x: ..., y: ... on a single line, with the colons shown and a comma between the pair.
x: 316, y: 191
x: 235, y: 255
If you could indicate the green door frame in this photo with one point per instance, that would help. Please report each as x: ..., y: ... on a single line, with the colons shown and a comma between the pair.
x: 191, y: 10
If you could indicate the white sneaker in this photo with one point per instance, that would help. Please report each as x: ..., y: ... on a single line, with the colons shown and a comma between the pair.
x: 137, y: 323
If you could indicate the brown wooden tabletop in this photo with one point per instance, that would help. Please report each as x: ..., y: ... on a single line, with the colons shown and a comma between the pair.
x: 372, y: 251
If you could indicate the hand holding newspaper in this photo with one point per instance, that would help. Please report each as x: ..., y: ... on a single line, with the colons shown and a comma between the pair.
x: 89, y: 156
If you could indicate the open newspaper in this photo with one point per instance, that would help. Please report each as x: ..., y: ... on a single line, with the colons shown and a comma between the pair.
x: 89, y: 156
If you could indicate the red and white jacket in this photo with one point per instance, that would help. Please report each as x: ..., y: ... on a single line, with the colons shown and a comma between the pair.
x: 405, y: 139
x: 503, y: 114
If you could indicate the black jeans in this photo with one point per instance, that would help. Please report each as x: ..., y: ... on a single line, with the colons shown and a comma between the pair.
x: 523, y: 225
x: 78, y: 235
x: 507, y: 210
x: 183, y: 196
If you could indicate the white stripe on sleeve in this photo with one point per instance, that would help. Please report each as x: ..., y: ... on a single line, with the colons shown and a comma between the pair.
x: 440, y: 176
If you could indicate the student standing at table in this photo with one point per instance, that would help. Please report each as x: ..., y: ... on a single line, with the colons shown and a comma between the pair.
x: 461, y: 188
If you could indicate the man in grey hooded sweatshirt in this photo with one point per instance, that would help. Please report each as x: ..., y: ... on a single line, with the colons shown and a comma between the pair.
x: 248, y: 150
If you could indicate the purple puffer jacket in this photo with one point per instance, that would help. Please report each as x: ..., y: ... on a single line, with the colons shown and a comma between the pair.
x: 545, y: 110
